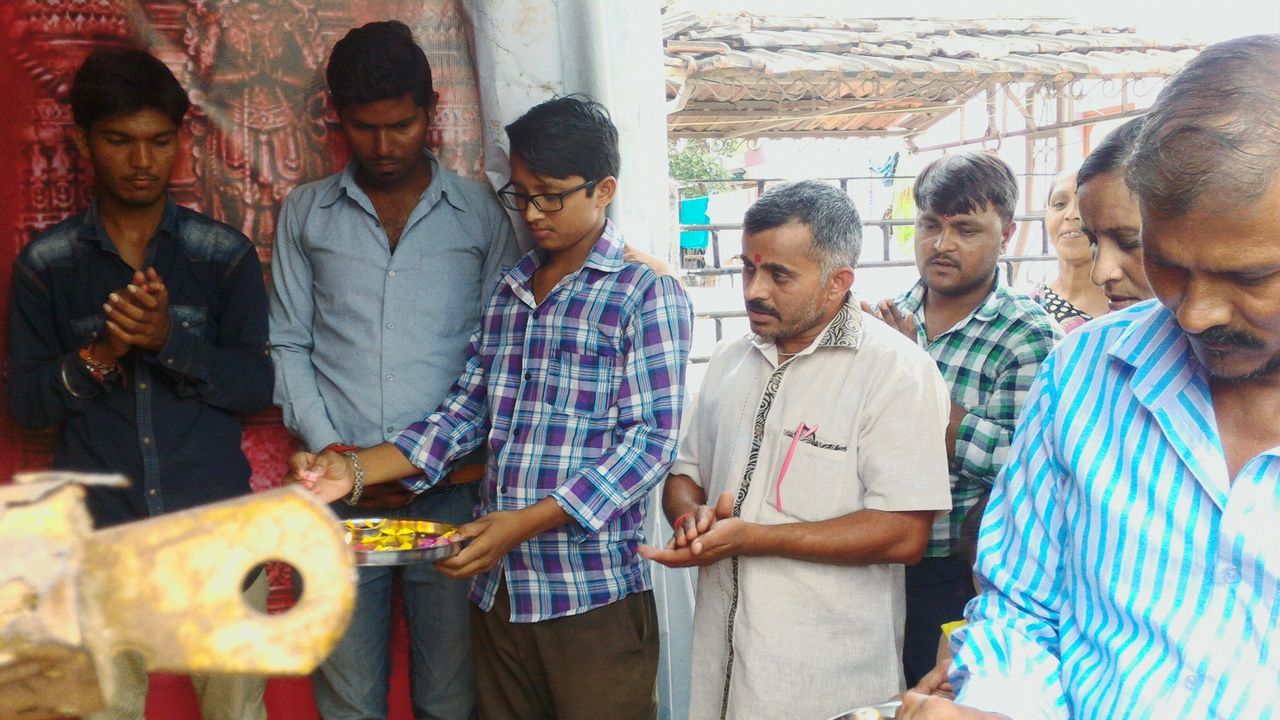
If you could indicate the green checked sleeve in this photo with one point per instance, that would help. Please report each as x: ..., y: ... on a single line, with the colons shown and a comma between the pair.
x: 984, y: 434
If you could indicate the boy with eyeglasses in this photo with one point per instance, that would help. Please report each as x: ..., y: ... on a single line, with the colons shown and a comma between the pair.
x: 576, y: 384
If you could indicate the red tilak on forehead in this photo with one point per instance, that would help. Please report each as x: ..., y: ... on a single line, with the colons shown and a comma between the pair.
x: 757, y: 258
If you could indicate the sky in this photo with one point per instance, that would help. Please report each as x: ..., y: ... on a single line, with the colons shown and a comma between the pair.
x: 1167, y: 19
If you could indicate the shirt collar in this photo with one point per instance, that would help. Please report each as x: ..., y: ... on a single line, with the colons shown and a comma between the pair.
x: 844, y: 331
x: 986, y: 311
x: 441, y: 186
x: 605, y: 256
x: 1170, y: 382
x: 92, y: 229
x: 1156, y: 347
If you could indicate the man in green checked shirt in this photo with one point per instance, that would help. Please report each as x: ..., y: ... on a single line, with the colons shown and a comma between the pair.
x: 988, y: 343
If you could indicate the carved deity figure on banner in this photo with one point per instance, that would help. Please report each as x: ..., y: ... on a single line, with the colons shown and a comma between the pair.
x: 259, y: 130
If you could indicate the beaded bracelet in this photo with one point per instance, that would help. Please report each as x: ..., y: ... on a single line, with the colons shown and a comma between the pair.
x: 98, y: 369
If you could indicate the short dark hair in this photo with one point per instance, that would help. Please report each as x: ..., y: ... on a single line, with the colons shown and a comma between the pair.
x: 827, y: 211
x: 967, y: 182
x: 378, y: 61
x: 118, y: 80
x: 1112, y: 153
x: 571, y: 135
x: 1214, y: 130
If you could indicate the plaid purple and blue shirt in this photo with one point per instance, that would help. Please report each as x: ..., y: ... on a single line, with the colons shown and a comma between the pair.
x: 579, y: 398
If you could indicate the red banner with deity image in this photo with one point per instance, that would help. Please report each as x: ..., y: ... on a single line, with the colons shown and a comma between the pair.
x: 259, y: 126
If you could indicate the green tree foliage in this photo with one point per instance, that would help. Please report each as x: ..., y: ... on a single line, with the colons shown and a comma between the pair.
x: 694, y: 162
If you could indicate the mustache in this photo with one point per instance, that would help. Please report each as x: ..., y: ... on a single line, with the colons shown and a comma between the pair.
x: 762, y: 307
x: 1223, y: 335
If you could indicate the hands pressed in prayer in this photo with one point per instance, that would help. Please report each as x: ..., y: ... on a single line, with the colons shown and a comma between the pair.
x: 138, y: 314
x: 704, y: 536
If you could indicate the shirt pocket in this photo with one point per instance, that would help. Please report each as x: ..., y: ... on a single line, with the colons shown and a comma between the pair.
x: 581, y: 379
x: 191, y: 318
x: 812, y: 487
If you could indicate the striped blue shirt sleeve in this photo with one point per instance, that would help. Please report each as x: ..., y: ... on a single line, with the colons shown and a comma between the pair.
x: 1006, y: 658
x: 649, y: 404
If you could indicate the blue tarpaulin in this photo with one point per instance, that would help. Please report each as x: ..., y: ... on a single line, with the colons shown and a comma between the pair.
x: 693, y: 211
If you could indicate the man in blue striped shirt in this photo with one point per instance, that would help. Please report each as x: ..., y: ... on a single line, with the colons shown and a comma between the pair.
x: 1130, y: 556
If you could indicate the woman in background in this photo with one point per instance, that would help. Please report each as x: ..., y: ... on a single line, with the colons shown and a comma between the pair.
x: 1071, y: 298
x: 1110, y: 219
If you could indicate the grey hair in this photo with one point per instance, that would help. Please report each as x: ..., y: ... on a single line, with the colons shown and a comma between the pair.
x: 827, y: 211
x: 1214, y: 130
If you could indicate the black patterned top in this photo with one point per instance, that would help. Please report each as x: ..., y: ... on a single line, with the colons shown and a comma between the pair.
x: 1068, y: 316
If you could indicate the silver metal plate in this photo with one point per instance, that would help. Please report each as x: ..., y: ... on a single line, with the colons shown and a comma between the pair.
x: 400, y: 541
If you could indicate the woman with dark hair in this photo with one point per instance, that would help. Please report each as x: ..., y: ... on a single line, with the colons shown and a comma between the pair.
x: 1071, y: 298
x: 1110, y: 219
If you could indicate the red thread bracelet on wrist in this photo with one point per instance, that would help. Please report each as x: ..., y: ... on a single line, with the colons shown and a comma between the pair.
x: 99, y: 370
x: 675, y: 524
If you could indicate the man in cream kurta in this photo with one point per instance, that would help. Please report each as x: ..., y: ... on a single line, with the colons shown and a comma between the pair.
x: 800, y: 600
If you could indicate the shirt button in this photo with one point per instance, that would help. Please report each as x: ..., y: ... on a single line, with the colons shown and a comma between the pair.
x: 186, y: 324
x: 146, y: 441
x: 152, y: 492
x: 391, y: 428
x: 142, y: 386
x: 1193, y: 682
x: 391, y: 273
x: 528, y: 376
x: 390, y: 377
x: 170, y: 361
x: 1230, y: 575
x: 391, y: 326
x: 502, y: 490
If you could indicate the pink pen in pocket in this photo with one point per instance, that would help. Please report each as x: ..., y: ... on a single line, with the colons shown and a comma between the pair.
x: 802, y: 431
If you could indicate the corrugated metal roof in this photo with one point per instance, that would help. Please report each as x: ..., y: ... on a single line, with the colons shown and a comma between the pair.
x: 884, y: 76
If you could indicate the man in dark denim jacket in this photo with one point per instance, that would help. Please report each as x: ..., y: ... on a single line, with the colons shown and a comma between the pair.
x: 141, y: 328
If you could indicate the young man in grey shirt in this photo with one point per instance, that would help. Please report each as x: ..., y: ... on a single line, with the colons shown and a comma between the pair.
x: 380, y: 274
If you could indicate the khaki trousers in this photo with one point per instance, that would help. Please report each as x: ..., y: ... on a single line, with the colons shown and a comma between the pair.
x: 221, y: 697
x: 600, y: 664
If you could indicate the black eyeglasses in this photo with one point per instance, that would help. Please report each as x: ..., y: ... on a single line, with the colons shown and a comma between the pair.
x: 545, y: 202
